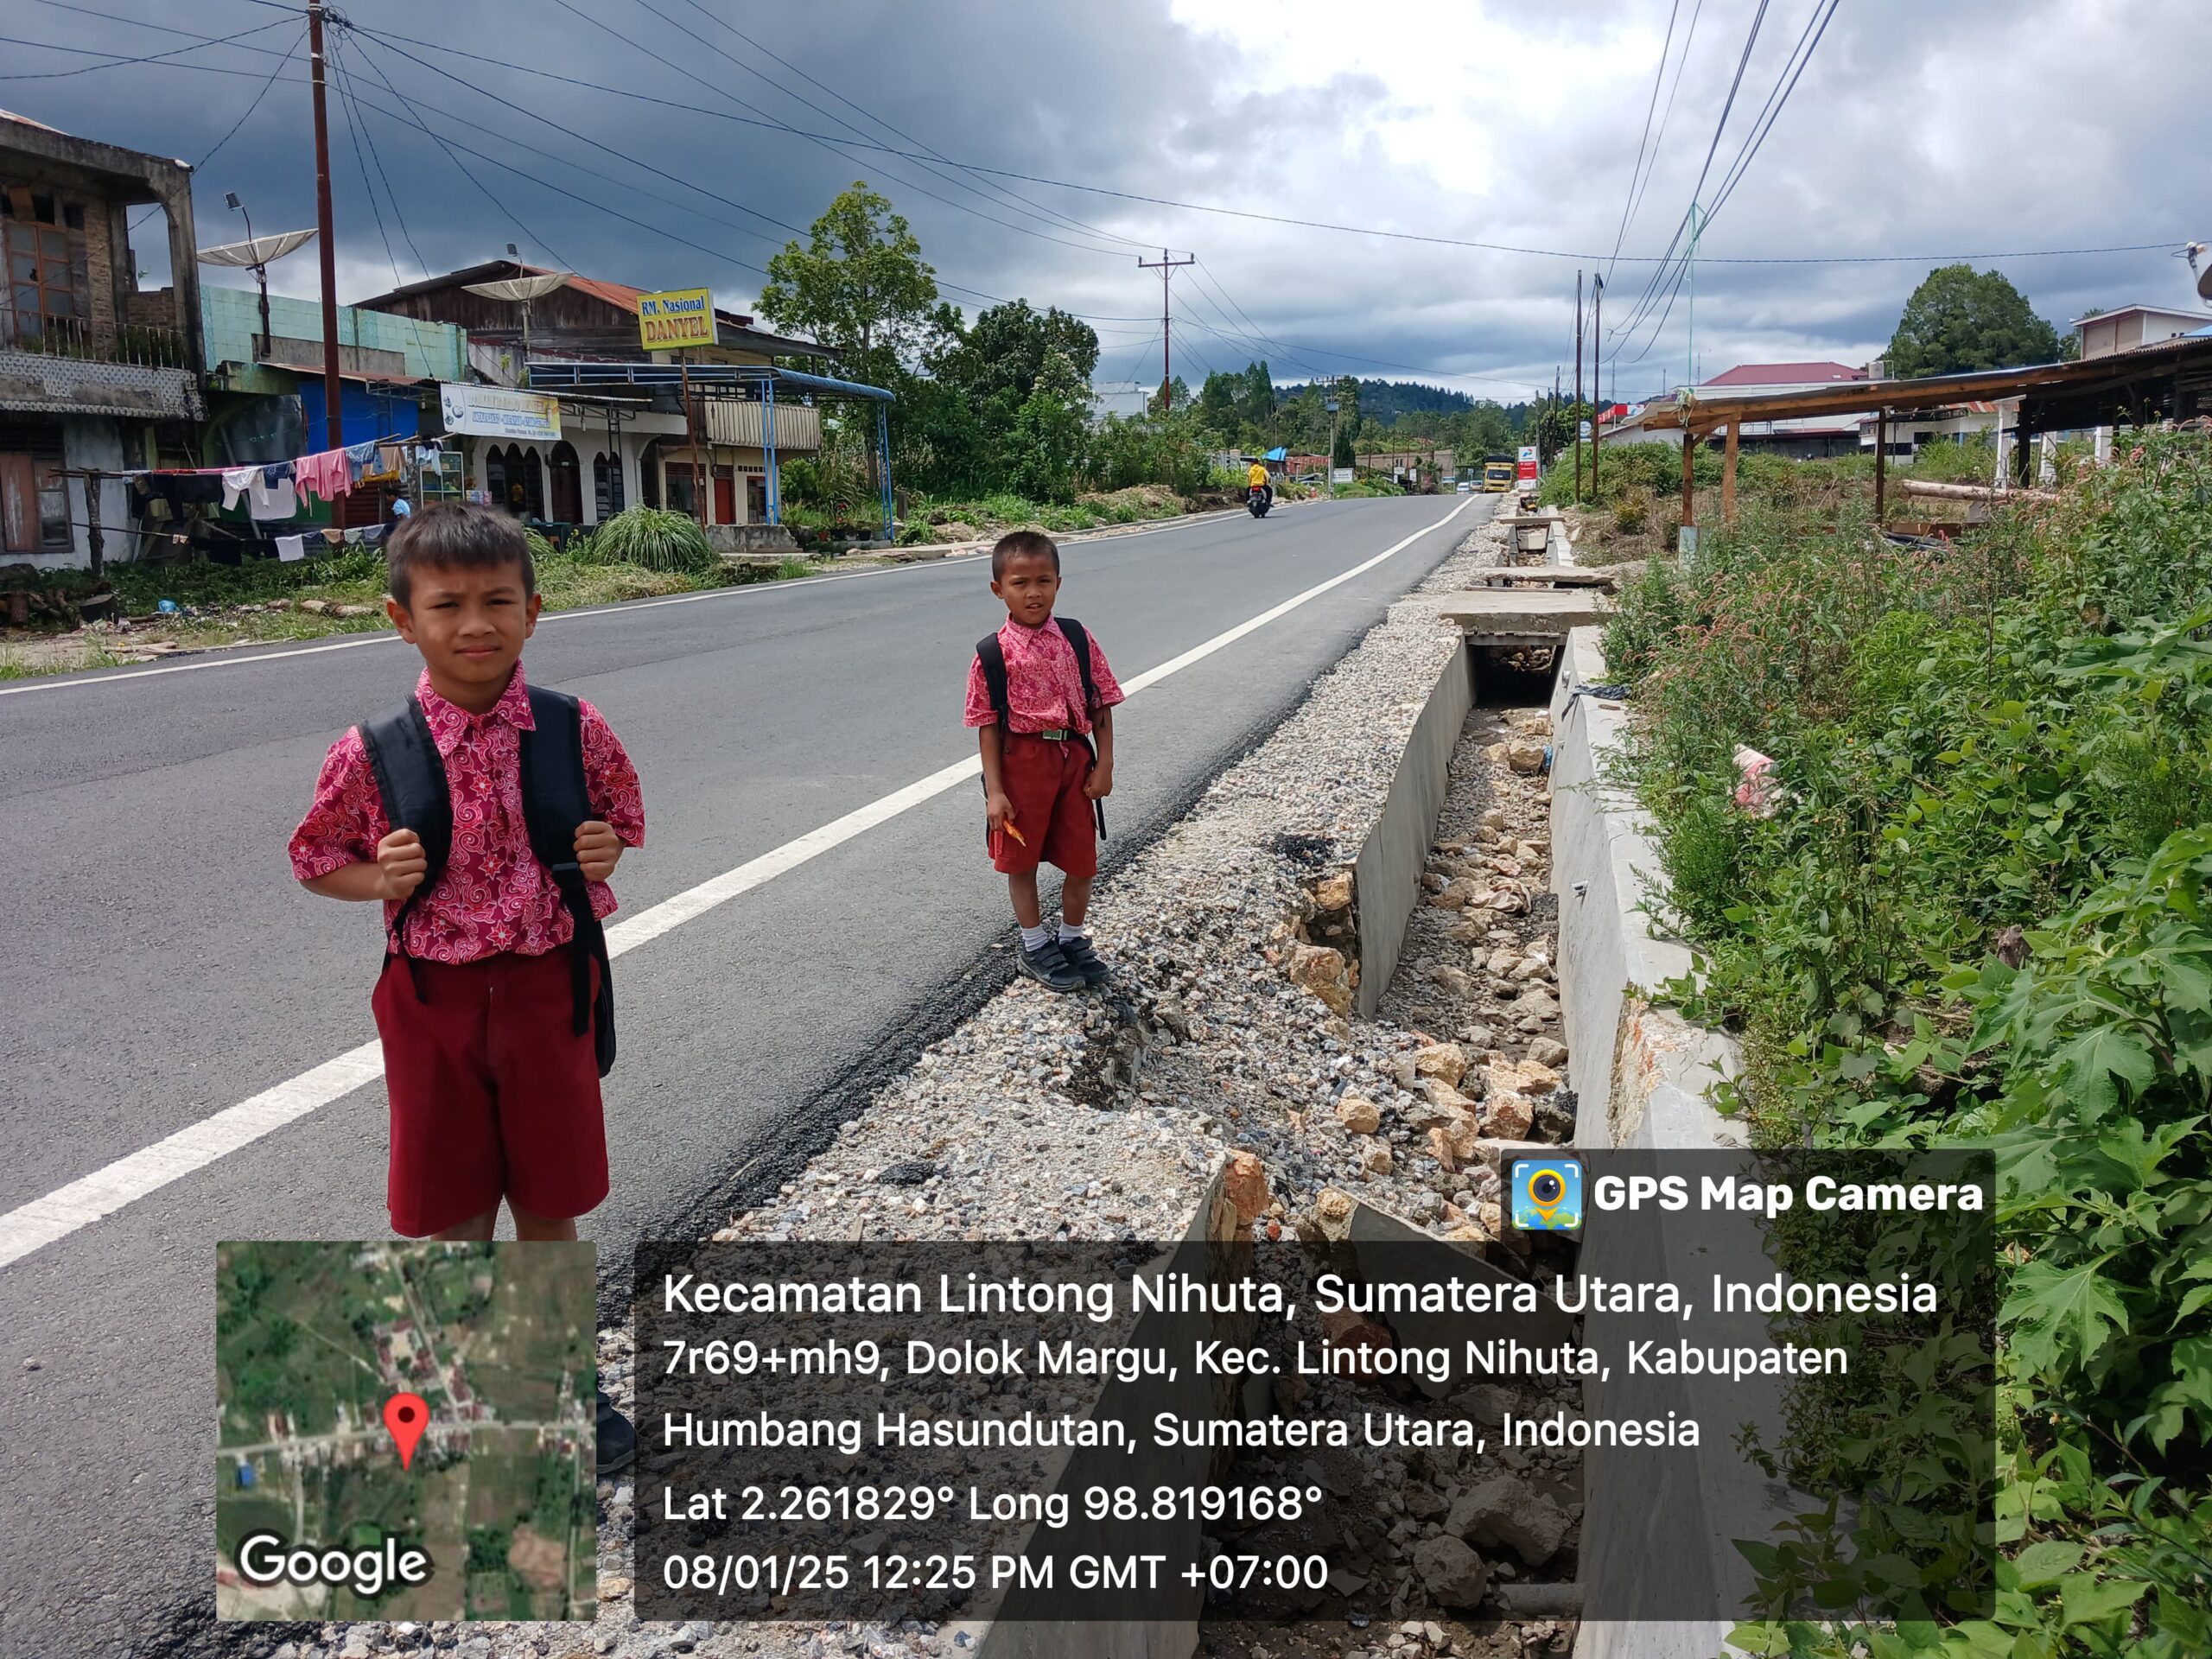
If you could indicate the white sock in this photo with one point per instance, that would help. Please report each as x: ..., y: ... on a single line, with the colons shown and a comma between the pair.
x: 1072, y: 929
x: 1034, y: 938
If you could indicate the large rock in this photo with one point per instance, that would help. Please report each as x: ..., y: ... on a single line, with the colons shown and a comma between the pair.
x: 1508, y: 1117
x: 1444, y: 1108
x: 1446, y: 1062
x: 1548, y: 1051
x: 1501, y: 1511
x: 1333, y: 1214
x: 1524, y: 756
x: 1519, y: 1077
x: 1245, y: 1182
x: 1359, y: 1114
x: 1333, y: 891
x: 1321, y: 971
x: 1451, y: 1572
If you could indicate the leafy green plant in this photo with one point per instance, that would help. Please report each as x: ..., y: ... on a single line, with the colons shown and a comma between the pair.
x: 657, y: 538
x: 1980, y: 916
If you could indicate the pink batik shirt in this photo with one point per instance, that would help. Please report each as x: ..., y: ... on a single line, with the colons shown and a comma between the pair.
x: 493, y: 896
x: 1044, y: 687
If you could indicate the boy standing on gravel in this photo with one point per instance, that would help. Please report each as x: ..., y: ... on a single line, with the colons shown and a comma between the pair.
x: 1042, y: 699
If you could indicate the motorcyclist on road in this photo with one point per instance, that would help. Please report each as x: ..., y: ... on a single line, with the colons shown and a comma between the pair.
x: 1257, y: 479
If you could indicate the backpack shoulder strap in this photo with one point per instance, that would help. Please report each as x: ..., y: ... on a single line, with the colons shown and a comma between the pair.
x: 555, y: 799
x: 992, y: 655
x: 410, y: 776
x: 1080, y: 641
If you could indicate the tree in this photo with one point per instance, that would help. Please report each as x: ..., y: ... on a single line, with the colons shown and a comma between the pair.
x: 1959, y: 322
x: 1008, y: 347
x: 1044, y: 445
x: 860, y: 285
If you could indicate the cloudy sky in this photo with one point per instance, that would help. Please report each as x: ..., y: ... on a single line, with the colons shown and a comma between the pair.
x: 666, y: 158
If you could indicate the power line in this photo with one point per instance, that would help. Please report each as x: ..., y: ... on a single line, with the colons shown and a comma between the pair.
x: 1697, y: 190
x: 835, y: 146
x: 1634, y: 172
x: 109, y: 60
x: 1793, y: 67
x: 1003, y: 196
x: 262, y: 92
x: 868, y: 114
x: 1163, y: 201
x: 450, y: 150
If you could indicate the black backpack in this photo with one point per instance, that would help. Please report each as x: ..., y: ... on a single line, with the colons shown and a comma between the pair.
x: 411, y: 777
x: 992, y: 655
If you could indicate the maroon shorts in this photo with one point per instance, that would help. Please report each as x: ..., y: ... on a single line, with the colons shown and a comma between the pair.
x: 493, y: 1094
x: 1044, y: 780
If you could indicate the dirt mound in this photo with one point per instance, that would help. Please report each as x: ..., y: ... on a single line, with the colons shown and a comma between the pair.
x: 1145, y: 500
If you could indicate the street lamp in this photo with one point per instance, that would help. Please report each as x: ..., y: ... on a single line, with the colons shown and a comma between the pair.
x: 260, y: 270
x: 1332, y: 405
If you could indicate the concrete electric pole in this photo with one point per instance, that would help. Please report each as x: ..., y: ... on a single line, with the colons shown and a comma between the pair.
x: 1166, y: 268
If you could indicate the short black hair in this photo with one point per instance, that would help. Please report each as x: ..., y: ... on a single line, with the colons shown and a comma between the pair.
x: 457, y: 536
x: 1024, y: 544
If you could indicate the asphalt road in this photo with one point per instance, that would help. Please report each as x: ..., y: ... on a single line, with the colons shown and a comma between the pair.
x: 160, y: 965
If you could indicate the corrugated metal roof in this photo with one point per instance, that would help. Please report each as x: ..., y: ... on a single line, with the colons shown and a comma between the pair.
x: 1786, y: 374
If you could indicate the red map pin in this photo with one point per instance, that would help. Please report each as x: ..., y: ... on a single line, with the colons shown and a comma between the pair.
x: 406, y: 1415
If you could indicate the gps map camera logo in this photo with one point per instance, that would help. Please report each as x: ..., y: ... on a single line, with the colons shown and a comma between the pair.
x: 1547, y: 1194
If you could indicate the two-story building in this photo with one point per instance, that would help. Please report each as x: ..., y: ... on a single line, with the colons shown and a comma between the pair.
x: 613, y: 450
x: 97, y: 375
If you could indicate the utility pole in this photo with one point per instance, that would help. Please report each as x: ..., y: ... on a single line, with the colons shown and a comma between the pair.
x: 333, y: 392
x: 1597, y: 376
x: 1166, y: 268
x: 1689, y: 347
x: 1577, y: 389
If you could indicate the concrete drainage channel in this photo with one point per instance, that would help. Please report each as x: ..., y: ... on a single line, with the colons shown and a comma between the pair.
x: 1345, y: 997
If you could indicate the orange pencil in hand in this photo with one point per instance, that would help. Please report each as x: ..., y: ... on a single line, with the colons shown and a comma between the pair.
x: 1015, y: 833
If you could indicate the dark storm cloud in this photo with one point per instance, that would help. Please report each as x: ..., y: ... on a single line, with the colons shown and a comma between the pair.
x: 1952, y: 129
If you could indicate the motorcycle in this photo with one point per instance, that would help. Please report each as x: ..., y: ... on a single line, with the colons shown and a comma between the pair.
x: 1257, y: 499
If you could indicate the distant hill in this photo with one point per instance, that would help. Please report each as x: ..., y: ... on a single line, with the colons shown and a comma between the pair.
x: 1385, y: 400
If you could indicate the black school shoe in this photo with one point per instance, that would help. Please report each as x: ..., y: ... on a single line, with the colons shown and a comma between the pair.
x: 618, y: 1441
x: 1049, y: 966
x: 1078, y: 955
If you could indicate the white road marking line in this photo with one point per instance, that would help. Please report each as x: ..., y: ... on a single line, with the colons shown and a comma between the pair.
x: 43, y: 1221
x: 78, y: 682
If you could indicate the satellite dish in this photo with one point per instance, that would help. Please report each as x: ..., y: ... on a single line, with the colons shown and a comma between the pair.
x: 256, y: 251
x: 2202, y: 271
x: 522, y: 289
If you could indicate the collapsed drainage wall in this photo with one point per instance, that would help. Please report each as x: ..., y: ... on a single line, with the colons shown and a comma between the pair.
x: 1386, y: 877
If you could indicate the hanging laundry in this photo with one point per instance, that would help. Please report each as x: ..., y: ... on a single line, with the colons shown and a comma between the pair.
x: 236, y: 482
x: 353, y: 536
x: 328, y: 474
x: 269, y: 503
x: 198, y: 489
x: 291, y: 548
x: 333, y: 537
x: 373, y: 535
x: 275, y: 472
x: 391, y: 459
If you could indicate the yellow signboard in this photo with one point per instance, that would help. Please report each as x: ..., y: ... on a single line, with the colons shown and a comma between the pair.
x: 682, y: 316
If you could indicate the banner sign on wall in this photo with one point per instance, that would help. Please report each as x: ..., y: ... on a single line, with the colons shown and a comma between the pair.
x: 681, y: 316
x: 495, y: 412
x: 1526, y: 473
